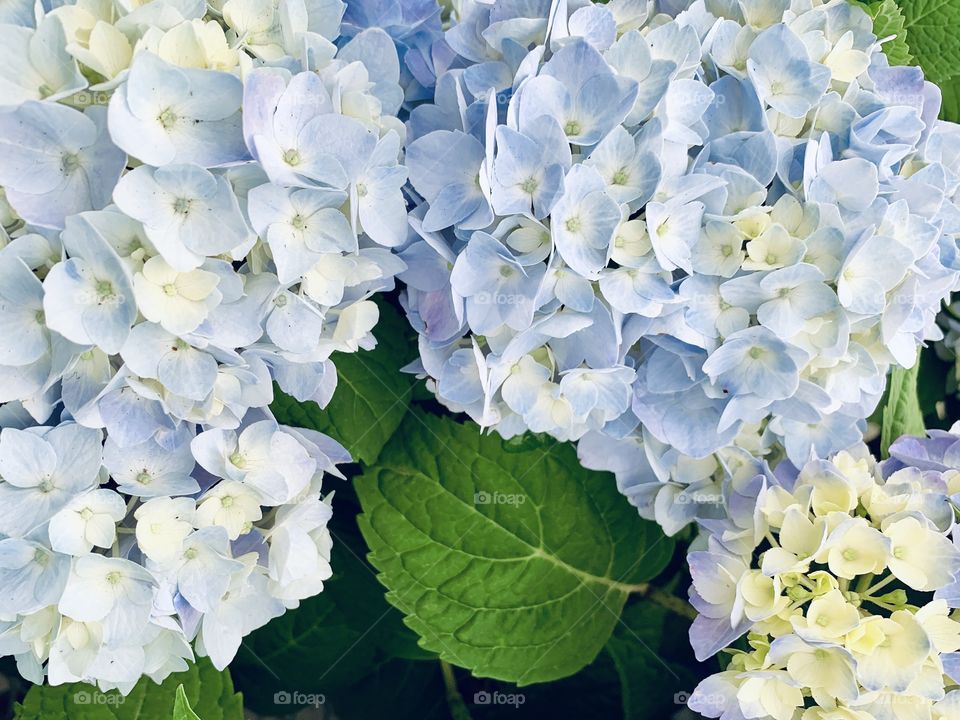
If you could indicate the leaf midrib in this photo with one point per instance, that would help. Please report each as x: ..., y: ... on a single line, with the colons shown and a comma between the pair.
x: 535, y: 552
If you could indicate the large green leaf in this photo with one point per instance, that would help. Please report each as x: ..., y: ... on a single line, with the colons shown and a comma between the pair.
x: 932, y: 35
x: 206, y: 690
x: 901, y: 414
x: 888, y: 20
x: 510, y: 560
x: 372, y: 394
x: 635, y: 677
x: 951, y: 99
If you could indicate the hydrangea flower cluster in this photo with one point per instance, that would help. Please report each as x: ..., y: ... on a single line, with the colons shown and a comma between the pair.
x: 198, y: 201
x: 844, y: 576
x: 644, y: 229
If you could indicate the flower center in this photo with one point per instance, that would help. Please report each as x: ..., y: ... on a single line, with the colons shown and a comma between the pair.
x: 104, y: 290
x: 182, y: 206
x: 167, y: 118
x: 71, y: 163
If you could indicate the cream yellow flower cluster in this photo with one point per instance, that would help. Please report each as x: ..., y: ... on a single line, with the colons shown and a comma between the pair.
x: 104, y: 37
x: 842, y: 576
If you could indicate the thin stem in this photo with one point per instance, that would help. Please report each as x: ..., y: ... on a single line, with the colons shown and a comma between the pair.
x: 880, y: 603
x: 458, y: 708
x: 666, y: 600
x: 806, y: 582
x: 880, y: 585
x: 863, y: 582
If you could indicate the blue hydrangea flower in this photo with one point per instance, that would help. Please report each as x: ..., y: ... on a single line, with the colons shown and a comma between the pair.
x: 57, y: 161
x: 164, y: 114
x: 700, y: 195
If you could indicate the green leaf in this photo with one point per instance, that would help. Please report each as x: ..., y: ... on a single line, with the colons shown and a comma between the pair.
x: 932, y: 31
x: 333, y: 639
x: 372, y: 395
x: 634, y: 678
x: 650, y: 686
x: 901, y: 414
x: 205, y: 689
x: 951, y: 99
x: 181, y: 706
x: 888, y: 20
x: 936, y: 388
x: 512, y: 563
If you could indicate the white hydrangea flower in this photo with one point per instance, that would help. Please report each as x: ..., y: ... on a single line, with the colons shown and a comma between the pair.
x: 853, y: 608
x: 160, y: 269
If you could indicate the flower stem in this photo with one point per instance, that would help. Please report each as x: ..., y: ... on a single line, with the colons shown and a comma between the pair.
x: 666, y: 600
x: 455, y: 703
x: 863, y: 582
x: 882, y: 584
